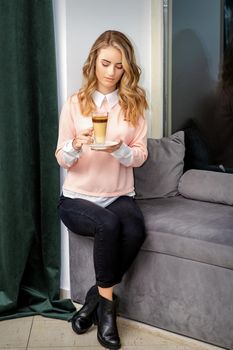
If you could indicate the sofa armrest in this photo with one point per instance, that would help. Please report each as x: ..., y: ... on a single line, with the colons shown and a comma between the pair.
x: 208, y: 186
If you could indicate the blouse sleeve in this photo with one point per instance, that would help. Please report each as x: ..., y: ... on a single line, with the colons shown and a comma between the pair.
x: 66, y: 134
x: 139, y: 144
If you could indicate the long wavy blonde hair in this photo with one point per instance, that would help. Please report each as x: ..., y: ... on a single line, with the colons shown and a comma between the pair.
x: 132, y: 97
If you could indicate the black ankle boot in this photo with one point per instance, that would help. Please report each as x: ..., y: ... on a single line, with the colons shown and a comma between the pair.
x: 84, y: 318
x: 107, y: 333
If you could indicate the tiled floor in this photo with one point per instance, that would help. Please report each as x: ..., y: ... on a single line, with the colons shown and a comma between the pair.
x: 40, y: 333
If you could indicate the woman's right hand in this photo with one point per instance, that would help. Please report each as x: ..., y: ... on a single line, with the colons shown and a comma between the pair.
x: 85, y: 137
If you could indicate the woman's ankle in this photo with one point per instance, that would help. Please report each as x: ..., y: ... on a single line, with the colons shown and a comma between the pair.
x: 106, y: 293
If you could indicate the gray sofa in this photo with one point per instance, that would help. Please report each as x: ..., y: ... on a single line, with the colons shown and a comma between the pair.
x: 182, y: 278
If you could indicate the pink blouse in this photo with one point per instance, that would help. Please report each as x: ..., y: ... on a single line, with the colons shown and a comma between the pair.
x: 95, y: 173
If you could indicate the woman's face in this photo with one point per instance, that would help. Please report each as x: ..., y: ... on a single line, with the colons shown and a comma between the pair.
x: 109, y: 69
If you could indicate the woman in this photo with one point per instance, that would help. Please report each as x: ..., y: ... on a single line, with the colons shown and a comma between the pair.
x: 98, y: 192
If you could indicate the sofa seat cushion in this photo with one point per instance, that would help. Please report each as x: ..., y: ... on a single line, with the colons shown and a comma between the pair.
x: 189, y: 229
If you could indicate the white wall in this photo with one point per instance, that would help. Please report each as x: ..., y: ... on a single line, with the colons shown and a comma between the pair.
x: 87, y: 19
x: 59, y: 10
x: 77, y: 24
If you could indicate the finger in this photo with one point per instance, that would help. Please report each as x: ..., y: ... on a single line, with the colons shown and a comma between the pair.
x: 86, y: 139
x: 77, y: 144
x: 87, y: 132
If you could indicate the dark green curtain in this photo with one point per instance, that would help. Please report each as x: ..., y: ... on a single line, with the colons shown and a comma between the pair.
x: 29, y: 174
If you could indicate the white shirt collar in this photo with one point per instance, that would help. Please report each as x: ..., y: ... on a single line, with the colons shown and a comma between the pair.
x: 112, y: 98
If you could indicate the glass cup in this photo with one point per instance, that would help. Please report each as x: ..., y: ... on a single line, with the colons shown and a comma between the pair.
x: 99, y: 120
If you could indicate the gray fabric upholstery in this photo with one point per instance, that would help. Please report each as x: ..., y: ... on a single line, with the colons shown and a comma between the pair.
x: 177, y: 294
x: 207, y: 186
x: 159, y: 175
x: 182, y: 278
x: 82, y: 273
x: 177, y: 226
x: 180, y: 295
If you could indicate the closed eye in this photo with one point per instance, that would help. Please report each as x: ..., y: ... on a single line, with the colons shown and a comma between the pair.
x: 119, y: 66
x: 105, y: 63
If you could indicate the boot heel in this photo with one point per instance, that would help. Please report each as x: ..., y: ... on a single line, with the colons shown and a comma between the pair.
x: 94, y: 318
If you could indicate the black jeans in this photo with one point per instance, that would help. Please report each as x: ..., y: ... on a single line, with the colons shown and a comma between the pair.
x: 118, y: 232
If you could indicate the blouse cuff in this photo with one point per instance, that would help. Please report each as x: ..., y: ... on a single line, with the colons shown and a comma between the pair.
x: 123, y: 154
x: 70, y: 155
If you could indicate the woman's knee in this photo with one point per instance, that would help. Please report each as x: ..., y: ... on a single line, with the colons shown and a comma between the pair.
x: 109, y: 226
x: 79, y: 216
x: 136, y: 231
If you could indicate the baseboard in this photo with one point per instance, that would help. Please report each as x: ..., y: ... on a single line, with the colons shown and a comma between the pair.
x: 65, y: 294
